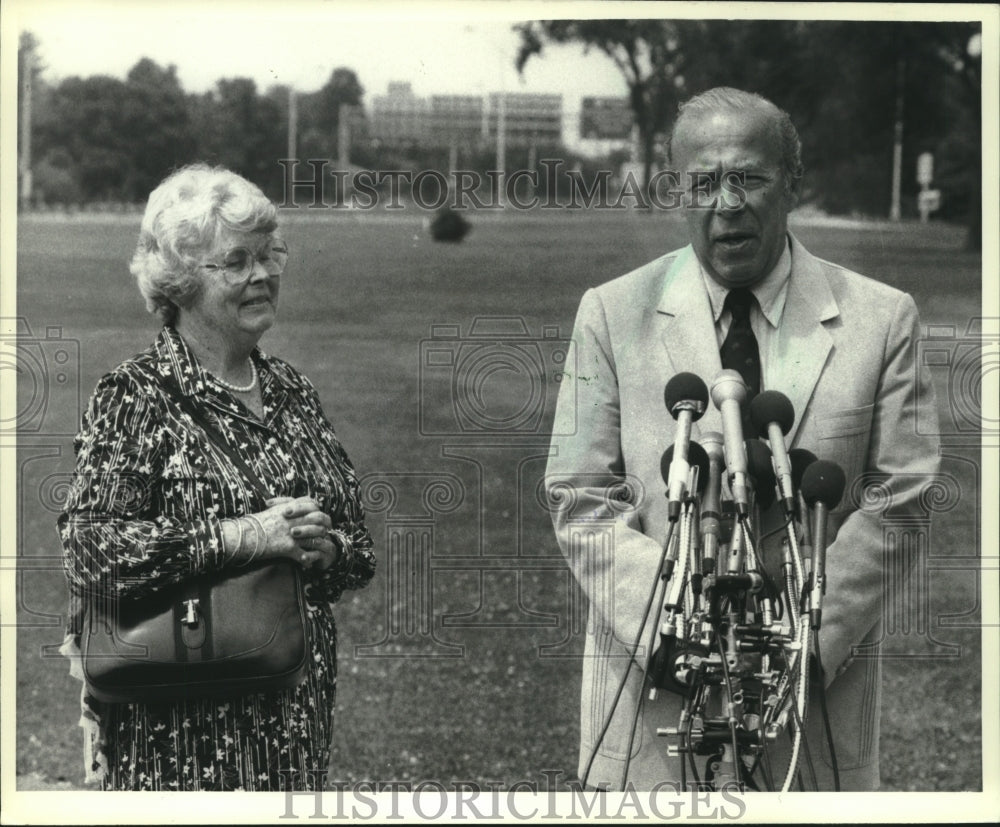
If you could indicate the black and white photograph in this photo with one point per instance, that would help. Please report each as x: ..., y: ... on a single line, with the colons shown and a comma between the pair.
x: 504, y: 411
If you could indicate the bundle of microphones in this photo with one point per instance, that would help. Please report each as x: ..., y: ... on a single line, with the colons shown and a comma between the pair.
x: 733, y: 643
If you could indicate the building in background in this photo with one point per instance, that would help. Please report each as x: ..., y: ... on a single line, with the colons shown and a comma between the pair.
x: 529, y: 119
x: 456, y: 120
x: 399, y: 117
x: 606, y: 124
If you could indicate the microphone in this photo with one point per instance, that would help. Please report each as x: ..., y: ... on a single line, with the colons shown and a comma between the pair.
x: 711, y: 502
x: 801, y: 459
x: 698, y: 460
x: 761, y: 471
x: 823, y: 485
x: 686, y: 398
x: 729, y: 391
x: 772, y: 415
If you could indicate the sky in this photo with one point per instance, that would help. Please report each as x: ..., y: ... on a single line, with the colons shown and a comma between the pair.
x: 439, y: 48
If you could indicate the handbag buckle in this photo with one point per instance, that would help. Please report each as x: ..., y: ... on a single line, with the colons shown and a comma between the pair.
x: 191, y: 618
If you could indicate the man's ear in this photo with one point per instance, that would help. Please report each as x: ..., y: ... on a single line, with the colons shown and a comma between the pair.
x: 793, y: 192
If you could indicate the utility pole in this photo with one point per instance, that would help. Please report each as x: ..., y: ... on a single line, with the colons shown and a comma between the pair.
x: 897, y: 145
x: 293, y: 124
x: 343, y: 136
x: 24, y: 157
x: 501, y: 145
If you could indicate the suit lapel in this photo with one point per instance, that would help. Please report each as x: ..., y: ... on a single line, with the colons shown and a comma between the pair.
x: 803, y: 343
x: 689, y: 329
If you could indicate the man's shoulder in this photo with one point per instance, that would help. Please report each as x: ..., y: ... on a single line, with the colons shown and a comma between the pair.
x: 849, y: 286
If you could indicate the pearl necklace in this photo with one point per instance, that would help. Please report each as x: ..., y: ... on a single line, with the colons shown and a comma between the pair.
x: 240, y: 388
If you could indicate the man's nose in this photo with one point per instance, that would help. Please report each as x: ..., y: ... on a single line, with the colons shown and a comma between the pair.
x: 729, y: 200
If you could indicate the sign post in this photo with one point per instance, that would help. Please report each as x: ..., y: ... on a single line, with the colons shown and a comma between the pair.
x: 928, y: 200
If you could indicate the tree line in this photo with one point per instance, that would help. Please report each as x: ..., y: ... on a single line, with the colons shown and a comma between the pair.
x: 848, y: 86
x: 100, y: 138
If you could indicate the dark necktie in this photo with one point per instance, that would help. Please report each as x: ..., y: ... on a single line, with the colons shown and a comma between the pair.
x: 739, y: 351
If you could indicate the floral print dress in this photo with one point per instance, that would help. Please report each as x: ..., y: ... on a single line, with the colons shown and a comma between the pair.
x: 143, y: 513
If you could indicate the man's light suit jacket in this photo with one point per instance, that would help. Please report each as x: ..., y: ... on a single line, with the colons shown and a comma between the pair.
x: 846, y: 347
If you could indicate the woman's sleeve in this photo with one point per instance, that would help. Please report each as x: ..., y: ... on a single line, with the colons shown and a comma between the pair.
x: 114, y: 543
x: 355, y: 565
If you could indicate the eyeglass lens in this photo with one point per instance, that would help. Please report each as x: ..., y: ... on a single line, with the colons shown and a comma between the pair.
x: 240, y: 261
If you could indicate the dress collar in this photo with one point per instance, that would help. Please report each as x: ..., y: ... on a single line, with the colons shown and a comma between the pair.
x: 175, y: 357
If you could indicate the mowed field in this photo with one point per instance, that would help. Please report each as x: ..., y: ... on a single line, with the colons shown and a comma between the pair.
x: 437, y: 365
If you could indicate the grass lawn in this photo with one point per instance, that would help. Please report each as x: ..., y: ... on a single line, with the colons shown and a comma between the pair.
x: 471, y: 673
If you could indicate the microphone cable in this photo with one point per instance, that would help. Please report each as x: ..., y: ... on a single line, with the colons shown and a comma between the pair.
x: 805, y: 751
x: 821, y: 679
x: 770, y: 588
x: 690, y: 749
x: 729, y: 697
x: 659, y: 585
x: 784, y: 526
x: 676, y: 600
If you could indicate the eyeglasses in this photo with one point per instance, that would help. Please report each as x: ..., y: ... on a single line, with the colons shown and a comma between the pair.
x: 238, y: 263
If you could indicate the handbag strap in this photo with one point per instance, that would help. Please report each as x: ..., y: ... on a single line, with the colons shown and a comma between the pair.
x: 198, y: 416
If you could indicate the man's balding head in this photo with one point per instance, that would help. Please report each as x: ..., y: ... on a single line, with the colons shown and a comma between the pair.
x: 727, y: 99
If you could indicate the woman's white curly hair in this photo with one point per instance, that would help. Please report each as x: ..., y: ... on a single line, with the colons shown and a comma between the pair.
x: 183, y: 218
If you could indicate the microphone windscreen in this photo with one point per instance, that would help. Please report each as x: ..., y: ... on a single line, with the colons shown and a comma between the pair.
x: 771, y: 406
x: 696, y: 456
x: 687, y: 388
x: 760, y: 468
x: 824, y: 482
x: 800, y: 458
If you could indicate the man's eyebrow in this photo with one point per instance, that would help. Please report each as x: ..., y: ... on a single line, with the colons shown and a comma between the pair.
x: 739, y: 163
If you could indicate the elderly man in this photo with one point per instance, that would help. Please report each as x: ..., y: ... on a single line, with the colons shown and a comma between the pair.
x: 839, y: 345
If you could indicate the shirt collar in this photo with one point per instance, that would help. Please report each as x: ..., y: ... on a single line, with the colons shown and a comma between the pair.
x: 770, y: 291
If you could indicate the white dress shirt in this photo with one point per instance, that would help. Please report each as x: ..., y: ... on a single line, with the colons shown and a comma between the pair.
x: 770, y: 293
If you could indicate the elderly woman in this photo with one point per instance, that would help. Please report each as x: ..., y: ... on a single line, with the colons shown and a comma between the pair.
x: 152, y: 504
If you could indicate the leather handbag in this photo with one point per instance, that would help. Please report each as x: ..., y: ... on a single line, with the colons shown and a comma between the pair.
x: 217, y: 635
x: 229, y: 633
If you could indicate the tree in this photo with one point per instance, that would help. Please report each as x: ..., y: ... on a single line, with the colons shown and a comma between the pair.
x: 157, y: 125
x: 958, y: 48
x: 839, y: 81
x: 84, y: 119
x: 241, y: 130
x: 319, y: 113
x: 652, y: 55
